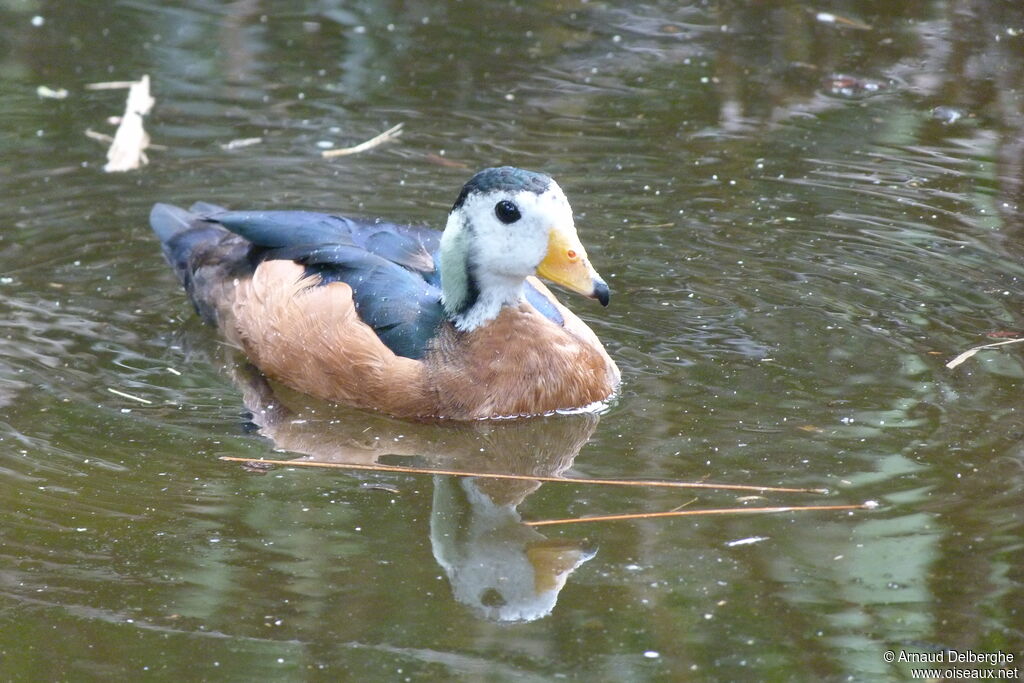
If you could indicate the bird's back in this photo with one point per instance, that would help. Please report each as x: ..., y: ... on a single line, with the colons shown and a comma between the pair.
x: 392, y: 269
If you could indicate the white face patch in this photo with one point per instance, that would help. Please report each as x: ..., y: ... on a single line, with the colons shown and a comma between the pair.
x: 499, y: 255
x: 514, y: 249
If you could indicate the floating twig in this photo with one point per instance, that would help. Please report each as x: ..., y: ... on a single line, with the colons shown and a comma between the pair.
x: 99, y: 137
x: 134, y: 398
x: 694, y: 500
x: 970, y: 352
x: 750, y: 540
x: 240, y: 143
x: 829, y: 18
x: 110, y: 85
x: 526, y: 477
x: 380, y: 487
x: 867, y: 505
x: 389, y: 134
x: 48, y: 93
x: 445, y: 161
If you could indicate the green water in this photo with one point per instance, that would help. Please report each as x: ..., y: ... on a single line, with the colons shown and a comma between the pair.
x: 798, y: 236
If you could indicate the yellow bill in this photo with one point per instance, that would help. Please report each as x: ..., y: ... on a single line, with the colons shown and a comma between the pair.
x: 566, y: 264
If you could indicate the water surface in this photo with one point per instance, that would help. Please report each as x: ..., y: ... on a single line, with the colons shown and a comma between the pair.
x: 802, y: 219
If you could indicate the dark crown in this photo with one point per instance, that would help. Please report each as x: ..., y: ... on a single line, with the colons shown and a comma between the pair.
x: 507, y: 178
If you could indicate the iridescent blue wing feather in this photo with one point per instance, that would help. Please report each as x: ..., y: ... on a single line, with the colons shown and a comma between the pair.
x: 390, y: 268
x: 401, y: 306
x: 407, y: 246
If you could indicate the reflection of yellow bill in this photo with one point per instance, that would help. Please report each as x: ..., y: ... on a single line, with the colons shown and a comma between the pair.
x: 552, y: 561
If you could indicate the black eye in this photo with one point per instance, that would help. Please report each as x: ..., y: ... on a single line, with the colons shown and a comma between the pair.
x: 507, y: 212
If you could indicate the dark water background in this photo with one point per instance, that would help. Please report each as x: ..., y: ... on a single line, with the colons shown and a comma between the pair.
x: 802, y: 218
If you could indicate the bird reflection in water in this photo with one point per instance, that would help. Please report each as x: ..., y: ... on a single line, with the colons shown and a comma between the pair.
x: 500, y: 568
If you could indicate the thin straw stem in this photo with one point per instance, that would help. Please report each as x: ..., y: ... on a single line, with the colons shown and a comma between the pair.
x: 389, y: 134
x: 970, y: 352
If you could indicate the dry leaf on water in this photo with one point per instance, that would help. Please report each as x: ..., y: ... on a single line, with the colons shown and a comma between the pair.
x: 127, y: 152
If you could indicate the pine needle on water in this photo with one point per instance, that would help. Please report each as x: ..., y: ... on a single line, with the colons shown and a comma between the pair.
x: 867, y: 505
x: 527, y: 477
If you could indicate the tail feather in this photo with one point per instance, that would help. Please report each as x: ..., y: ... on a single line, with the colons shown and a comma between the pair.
x: 183, y: 235
x: 202, y: 254
x: 167, y: 221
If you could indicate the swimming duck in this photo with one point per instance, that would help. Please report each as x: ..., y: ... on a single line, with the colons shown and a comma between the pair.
x: 405, y: 320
